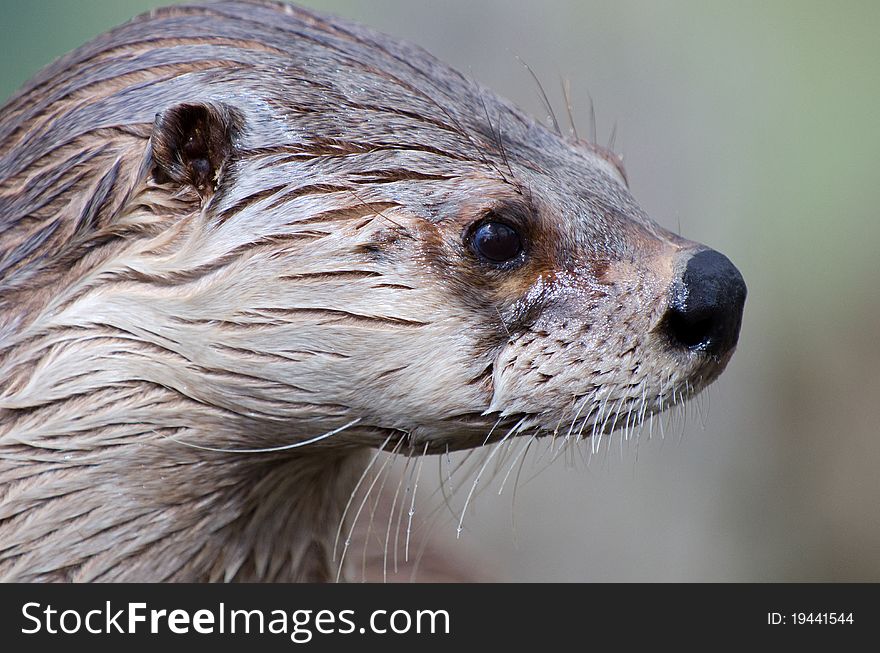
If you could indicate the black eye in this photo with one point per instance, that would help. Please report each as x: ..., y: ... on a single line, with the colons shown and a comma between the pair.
x: 497, y: 242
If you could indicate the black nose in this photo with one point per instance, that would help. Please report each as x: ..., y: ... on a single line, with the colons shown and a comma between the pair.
x: 705, y: 310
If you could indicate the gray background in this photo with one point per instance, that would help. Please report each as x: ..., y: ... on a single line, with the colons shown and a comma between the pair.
x: 752, y: 127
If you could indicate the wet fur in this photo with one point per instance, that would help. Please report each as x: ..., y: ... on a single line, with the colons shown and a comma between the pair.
x: 242, y: 226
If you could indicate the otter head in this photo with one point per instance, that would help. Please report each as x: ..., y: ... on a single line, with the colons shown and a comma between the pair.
x: 247, y: 227
x: 377, y: 239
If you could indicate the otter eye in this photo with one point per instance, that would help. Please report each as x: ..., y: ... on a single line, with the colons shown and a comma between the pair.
x: 496, y: 242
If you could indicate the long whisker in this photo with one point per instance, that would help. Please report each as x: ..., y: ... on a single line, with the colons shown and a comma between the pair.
x: 446, y: 489
x: 477, y: 479
x: 284, y: 447
x: 357, y: 514
x: 392, y: 456
x: 391, y: 520
x: 566, y: 93
x: 352, y: 496
x: 547, y: 105
x: 513, y: 463
x: 513, y: 496
x: 412, y: 506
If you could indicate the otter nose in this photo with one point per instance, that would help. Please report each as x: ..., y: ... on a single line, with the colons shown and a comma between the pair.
x: 705, y: 310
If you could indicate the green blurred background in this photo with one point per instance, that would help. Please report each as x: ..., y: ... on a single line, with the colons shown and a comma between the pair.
x: 752, y: 127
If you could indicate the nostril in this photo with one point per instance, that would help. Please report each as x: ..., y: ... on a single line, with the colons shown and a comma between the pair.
x: 688, y: 331
x: 705, y: 309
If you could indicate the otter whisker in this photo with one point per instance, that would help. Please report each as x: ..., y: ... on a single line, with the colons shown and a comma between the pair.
x: 566, y: 447
x: 468, y: 463
x: 504, y: 445
x: 587, y: 419
x: 516, y: 478
x: 570, y: 460
x: 598, y: 425
x: 402, y: 476
x: 547, y: 105
x: 486, y: 439
x: 566, y: 94
x: 610, y: 430
x: 704, y: 396
x: 513, y: 430
x: 571, y: 405
x: 357, y: 514
x: 516, y: 458
x: 626, y: 426
x: 684, y: 409
x: 577, y: 415
x: 501, y: 320
x: 497, y: 137
x: 638, y: 441
x: 381, y: 214
x: 547, y: 464
x: 643, y: 410
x: 612, y: 138
x: 591, y: 416
x: 683, y: 412
x: 448, y: 466
x: 432, y: 519
x: 617, y: 411
x: 500, y: 461
x: 284, y: 447
x: 407, y: 474
x: 456, y: 124
x: 430, y: 522
x: 412, y: 506
x: 447, y: 489
x: 392, y: 456
x: 660, y: 410
x: 582, y: 455
x: 353, y: 493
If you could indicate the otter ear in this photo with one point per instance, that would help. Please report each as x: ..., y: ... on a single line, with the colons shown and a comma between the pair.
x: 191, y: 144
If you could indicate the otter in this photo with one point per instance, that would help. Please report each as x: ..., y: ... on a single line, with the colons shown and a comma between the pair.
x: 243, y: 245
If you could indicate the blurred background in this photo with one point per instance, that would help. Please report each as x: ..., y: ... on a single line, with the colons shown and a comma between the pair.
x: 749, y: 126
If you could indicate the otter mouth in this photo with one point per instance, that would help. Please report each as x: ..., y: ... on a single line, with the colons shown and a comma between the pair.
x: 632, y: 413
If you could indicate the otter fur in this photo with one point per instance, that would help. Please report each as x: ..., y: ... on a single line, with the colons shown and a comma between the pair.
x: 244, y: 245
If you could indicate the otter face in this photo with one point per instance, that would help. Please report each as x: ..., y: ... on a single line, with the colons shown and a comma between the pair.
x: 576, y: 314
x: 459, y: 301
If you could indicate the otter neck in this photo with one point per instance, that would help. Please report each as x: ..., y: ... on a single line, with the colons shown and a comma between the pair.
x: 152, y: 509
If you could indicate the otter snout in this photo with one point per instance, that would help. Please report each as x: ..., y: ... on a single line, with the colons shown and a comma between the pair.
x: 706, y: 304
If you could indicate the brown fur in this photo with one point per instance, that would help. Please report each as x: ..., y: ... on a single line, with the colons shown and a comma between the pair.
x: 243, y: 226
